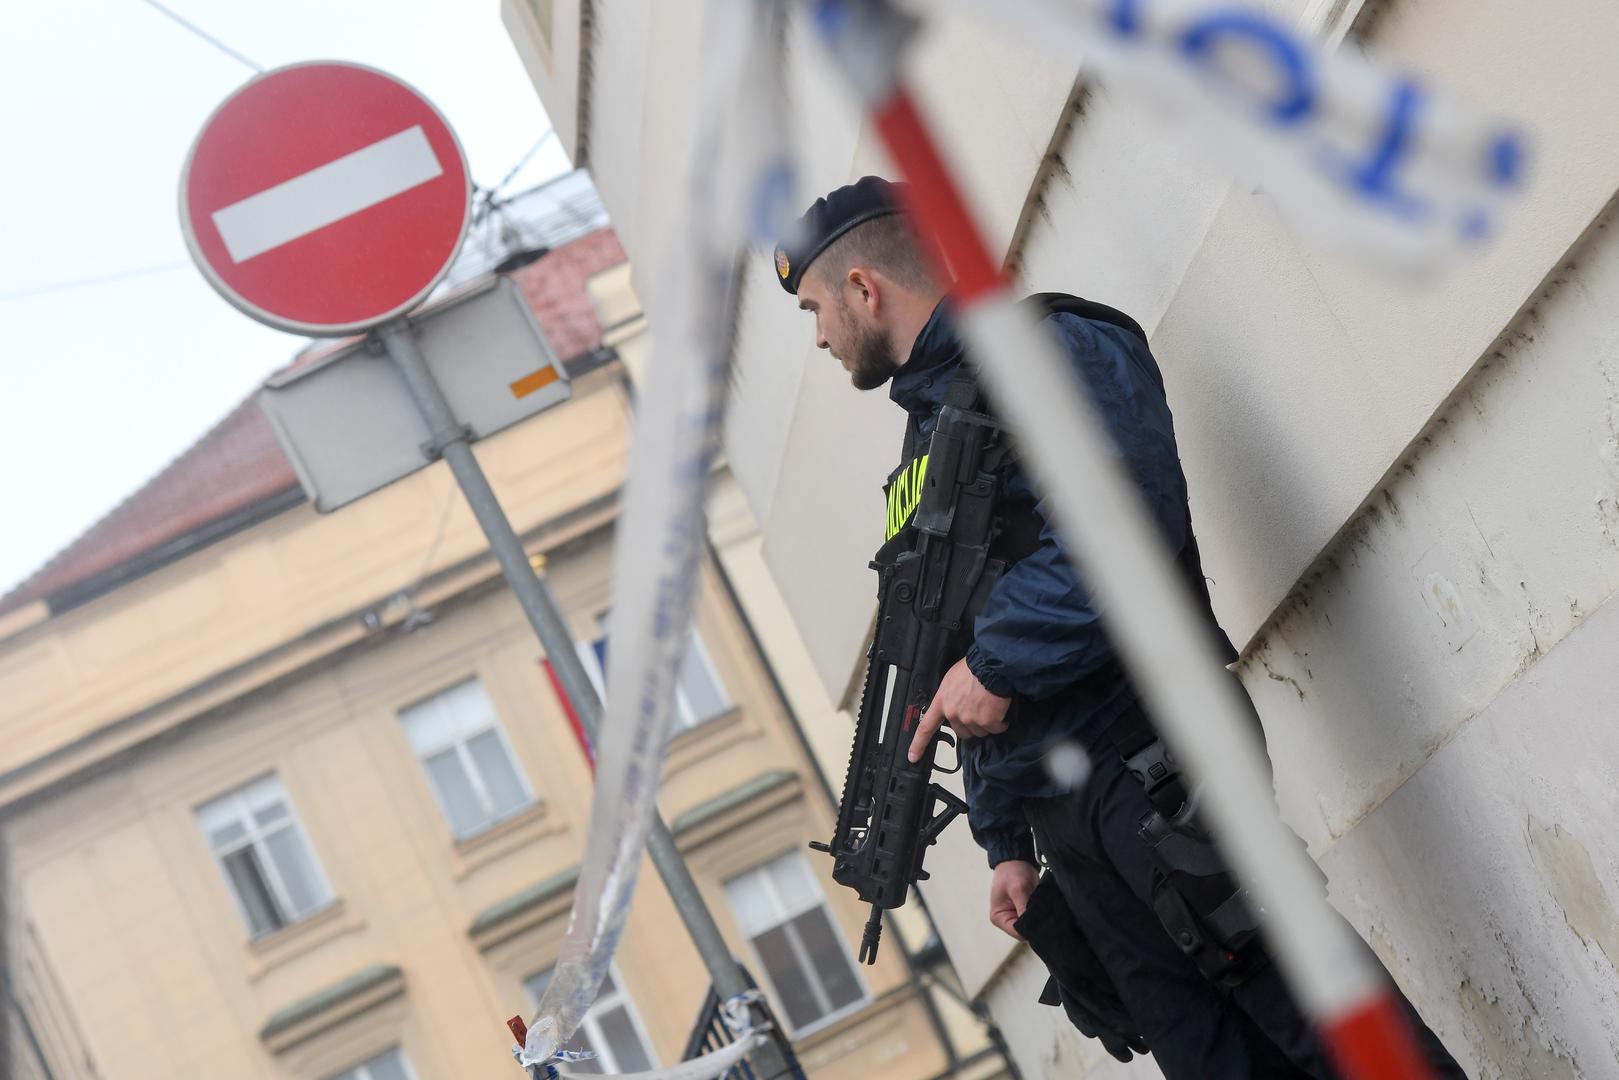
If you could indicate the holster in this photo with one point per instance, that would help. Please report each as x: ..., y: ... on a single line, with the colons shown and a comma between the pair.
x: 1210, y: 917
x: 1078, y: 981
x: 1208, y: 914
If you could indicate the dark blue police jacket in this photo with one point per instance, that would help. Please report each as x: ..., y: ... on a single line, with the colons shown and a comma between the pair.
x: 1039, y: 639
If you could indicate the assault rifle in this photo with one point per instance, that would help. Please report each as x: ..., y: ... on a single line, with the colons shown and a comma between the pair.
x: 928, y: 592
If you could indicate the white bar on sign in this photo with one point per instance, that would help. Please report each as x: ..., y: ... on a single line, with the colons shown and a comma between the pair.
x: 327, y: 193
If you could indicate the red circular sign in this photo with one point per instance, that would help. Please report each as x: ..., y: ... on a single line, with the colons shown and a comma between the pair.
x: 325, y: 198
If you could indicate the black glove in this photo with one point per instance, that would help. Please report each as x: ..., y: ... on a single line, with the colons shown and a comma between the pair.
x: 1078, y: 981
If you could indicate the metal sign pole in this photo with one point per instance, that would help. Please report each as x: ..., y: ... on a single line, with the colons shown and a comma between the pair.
x: 450, y: 439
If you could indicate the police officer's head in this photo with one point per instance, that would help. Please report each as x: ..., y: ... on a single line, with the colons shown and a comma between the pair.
x: 854, y: 262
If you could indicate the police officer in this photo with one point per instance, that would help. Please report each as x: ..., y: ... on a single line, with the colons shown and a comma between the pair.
x: 1150, y: 940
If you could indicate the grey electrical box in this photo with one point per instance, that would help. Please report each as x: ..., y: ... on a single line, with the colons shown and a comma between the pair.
x: 347, y: 421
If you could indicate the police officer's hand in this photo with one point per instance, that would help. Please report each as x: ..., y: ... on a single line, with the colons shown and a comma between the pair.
x: 962, y: 702
x: 1009, y: 892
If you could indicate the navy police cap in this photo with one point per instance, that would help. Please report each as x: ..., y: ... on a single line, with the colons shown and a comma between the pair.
x: 831, y: 217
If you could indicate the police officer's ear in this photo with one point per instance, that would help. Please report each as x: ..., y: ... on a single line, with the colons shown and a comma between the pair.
x: 862, y: 287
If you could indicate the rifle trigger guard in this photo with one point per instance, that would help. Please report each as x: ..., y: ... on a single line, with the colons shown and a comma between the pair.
x: 949, y: 739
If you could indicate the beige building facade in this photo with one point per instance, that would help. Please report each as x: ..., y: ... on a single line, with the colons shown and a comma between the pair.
x: 1404, y: 492
x: 294, y: 796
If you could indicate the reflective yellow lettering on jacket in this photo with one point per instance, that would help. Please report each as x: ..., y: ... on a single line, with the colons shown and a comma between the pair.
x: 904, y: 493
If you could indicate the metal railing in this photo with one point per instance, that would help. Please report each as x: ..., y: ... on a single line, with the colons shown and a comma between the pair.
x: 711, y: 1033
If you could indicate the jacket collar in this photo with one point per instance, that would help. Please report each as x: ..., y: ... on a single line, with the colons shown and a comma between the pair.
x: 918, y: 387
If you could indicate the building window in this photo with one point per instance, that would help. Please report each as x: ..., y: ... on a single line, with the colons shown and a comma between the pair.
x: 781, y: 910
x: 699, y: 694
x: 611, y: 1029
x: 388, y: 1065
x: 461, y: 745
x: 267, y: 860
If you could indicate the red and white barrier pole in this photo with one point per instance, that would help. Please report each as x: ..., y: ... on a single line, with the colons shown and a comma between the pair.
x: 1151, y: 619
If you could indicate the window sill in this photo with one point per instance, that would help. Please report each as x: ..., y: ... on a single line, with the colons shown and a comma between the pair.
x: 531, y: 823
x: 265, y: 954
x: 832, y: 1040
x: 832, y: 1019
x: 696, y: 744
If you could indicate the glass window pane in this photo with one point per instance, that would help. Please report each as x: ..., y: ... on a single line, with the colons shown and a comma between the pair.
x: 790, y: 981
x: 262, y: 792
x: 456, y: 795
x: 820, y: 940
x: 790, y: 874
x: 429, y: 726
x: 388, y: 1065
x: 499, y: 774
x: 469, y: 703
x: 271, y: 814
x: 222, y: 816
x: 296, y: 865
x: 751, y: 902
x: 618, y: 1032
x: 247, y: 881
x: 699, y: 685
x: 224, y: 836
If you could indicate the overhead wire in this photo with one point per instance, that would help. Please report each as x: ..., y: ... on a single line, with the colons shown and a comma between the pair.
x: 86, y: 282
x: 511, y: 173
x: 203, y: 34
x: 486, y: 196
x: 103, y: 279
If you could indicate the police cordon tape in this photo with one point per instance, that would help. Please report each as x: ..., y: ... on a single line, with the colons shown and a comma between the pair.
x: 1357, y: 154
x: 735, y: 164
x: 1352, y: 152
x: 735, y: 1013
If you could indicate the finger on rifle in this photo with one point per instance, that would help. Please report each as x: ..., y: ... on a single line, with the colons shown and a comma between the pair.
x: 931, y: 719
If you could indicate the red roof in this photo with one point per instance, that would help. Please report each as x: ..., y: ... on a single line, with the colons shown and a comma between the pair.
x: 239, y: 463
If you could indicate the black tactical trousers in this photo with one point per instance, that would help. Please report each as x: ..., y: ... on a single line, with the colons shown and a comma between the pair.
x: 1195, y: 1029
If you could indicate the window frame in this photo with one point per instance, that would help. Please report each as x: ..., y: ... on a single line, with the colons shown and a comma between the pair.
x: 463, y: 756
x: 353, y: 1071
x: 800, y: 954
x: 590, y: 1025
x: 256, y: 838
x: 684, y: 716
x: 685, y: 712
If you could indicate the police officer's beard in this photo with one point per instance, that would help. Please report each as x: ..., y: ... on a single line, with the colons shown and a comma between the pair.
x: 871, y: 358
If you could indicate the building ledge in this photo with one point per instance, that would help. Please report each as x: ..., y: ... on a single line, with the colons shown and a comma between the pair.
x: 498, y: 921
x: 21, y: 618
x: 718, y: 816
x: 841, y: 1041
x: 325, y: 1008
x: 722, y: 804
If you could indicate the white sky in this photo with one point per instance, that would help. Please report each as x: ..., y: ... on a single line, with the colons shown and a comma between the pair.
x: 101, y: 386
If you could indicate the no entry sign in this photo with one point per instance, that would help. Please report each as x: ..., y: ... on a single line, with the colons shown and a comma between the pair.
x: 325, y: 198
